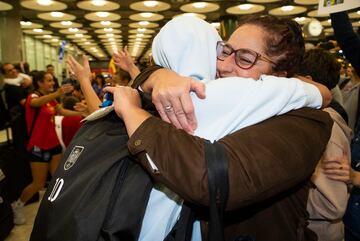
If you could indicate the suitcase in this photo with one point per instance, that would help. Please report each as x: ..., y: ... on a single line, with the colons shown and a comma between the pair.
x: 6, y: 214
x: 17, y: 170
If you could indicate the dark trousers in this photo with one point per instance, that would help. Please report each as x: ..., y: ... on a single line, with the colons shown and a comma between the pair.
x: 352, y: 217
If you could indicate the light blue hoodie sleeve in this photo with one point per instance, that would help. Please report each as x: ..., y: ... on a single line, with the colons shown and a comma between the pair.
x: 233, y: 103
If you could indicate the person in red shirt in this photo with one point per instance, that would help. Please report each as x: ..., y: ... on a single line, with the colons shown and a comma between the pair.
x: 44, y: 150
x: 67, y: 126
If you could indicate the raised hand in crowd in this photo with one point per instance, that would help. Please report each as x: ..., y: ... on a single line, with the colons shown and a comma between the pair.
x: 123, y: 60
x: 83, y: 75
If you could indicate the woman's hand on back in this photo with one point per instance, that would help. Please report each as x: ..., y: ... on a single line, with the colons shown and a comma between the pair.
x: 125, y: 99
x: 338, y: 169
x: 171, y: 96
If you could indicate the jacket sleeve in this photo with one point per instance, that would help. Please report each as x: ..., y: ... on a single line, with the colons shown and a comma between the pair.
x: 264, y: 159
x: 348, y: 40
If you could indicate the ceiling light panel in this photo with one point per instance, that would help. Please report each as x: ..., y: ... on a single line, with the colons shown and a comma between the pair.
x: 72, y: 31
x: 81, y: 36
x: 30, y: 25
x: 56, y: 16
x: 315, y: 14
x: 198, y: 15
x: 326, y: 23
x: 246, y: 8
x: 143, y: 24
x: 354, y: 15
x: 102, y: 16
x: 146, y: 16
x: 306, y: 2
x: 141, y: 30
x: 37, y: 31
x: 105, y: 24
x: 103, y: 31
x: 287, y: 10
x: 115, y: 36
x: 35, y: 5
x: 200, y: 7
x: 150, y: 6
x: 5, y: 6
x: 302, y: 20
x: 65, y: 24
x: 131, y: 36
x: 98, y: 5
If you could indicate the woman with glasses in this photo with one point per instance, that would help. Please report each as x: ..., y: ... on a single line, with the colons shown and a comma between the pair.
x: 277, y: 175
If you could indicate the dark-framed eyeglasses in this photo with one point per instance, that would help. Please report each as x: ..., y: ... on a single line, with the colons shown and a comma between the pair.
x: 244, y: 58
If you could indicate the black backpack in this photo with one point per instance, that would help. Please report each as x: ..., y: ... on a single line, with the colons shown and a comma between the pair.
x: 98, y: 192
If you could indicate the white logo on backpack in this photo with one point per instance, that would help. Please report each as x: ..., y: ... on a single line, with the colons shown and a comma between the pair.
x: 74, y: 155
x: 56, y: 189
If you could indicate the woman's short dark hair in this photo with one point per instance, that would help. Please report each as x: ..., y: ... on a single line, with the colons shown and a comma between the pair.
x: 283, y: 39
x: 322, y: 66
x: 38, y: 76
x: 100, y: 76
x: 69, y: 102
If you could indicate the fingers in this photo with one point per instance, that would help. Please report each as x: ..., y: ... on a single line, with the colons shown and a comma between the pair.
x: 337, y: 170
x: 198, y: 87
x: 85, y: 62
x: 67, y: 88
x: 126, y: 50
x: 189, y: 113
x: 339, y: 178
x: 72, y: 61
x: 172, y: 110
x: 70, y: 64
x: 338, y: 175
x: 74, y: 66
x: 109, y: 89
x: 336, y: 165
x: 176, y: 113
x: 160, y: 109
x: 116, y: 57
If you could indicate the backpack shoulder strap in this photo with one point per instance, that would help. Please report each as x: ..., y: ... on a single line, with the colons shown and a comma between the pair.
x: 217, y: 167
x: 144, y: 75
x: 37, y: 110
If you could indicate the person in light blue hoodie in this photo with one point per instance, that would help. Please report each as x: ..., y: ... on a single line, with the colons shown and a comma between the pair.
x: 187, y: 45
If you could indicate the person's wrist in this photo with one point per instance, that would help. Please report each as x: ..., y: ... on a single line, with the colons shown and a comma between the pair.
x: 148, y: 85
x: 59, y: 92
x: 131, y: 112
x: 133, y: 71
x: 83, y: 79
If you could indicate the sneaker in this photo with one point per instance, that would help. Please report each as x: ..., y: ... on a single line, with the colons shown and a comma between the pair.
x: 17, y: 208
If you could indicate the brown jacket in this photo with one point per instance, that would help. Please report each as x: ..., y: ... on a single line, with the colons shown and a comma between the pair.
x: 269, y: 169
